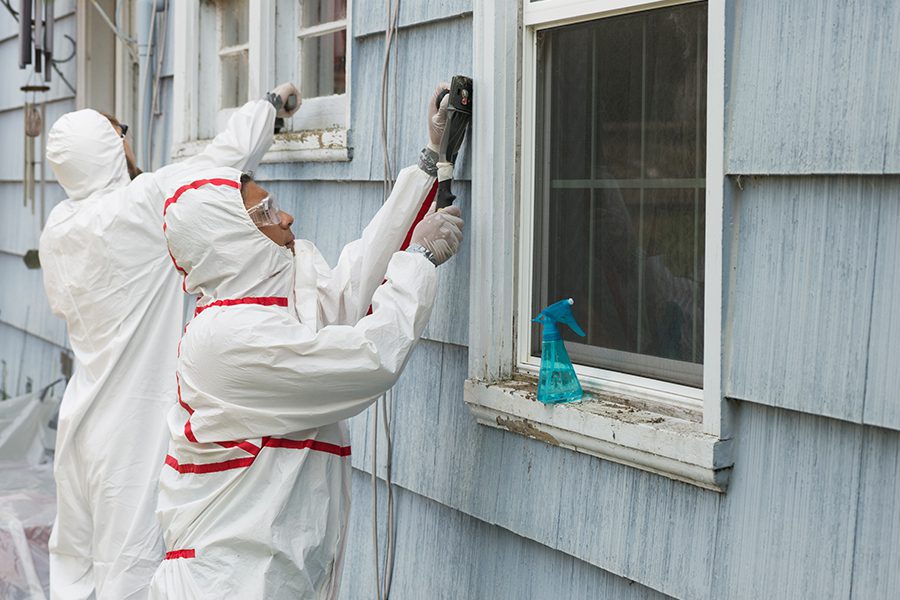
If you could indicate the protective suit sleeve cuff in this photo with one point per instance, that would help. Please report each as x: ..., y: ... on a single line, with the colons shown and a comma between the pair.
x: 415, y: 266
x: 419, y: 249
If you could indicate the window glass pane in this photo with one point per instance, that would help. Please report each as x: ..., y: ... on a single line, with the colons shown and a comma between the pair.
x: 323, y: 63
x: 233, y: 22
x: 620, y: 186
x: 316, y: 12
x: 235, y: 79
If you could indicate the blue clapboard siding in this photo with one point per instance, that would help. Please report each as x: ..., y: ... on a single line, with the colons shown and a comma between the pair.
x: 882, y: 400
x: 786, y: 525
x: 628, y: 522
x: 801, y: 305
x: 877, y: 553
x: 31, y: 338
x: 813, y: 87
x: 26, y: 356
x: 784, y: 529
x: 474, y: 560
x: 12, y: 123
x: 371, y: 17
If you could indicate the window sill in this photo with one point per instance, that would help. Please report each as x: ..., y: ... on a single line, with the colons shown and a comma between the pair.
x: 607, y: 428
x: 320, y: 145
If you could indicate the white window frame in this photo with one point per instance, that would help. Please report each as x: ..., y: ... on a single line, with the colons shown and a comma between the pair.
x: 297, y: 143
x: 223, y: 114
x: 91, y: 28
x: 654, y: 390
x: 675, y: 430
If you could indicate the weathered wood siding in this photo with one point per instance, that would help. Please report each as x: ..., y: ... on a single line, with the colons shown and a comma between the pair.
x: 813, y: 87
x: 31, y: 338
x: 882, y: 400
x: 813, y: 256
x: 475, y: 560
x: 786, y: 528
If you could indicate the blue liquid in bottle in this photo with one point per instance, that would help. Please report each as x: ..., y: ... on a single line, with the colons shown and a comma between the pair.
x: 557, y: 381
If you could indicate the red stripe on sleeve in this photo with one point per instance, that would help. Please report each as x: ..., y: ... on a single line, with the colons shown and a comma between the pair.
x: 304, y: 444
x: 216, y: 467
x: 186, y: 553
x: 188, y: 432
x: 261, y: 300
x: 423, y: 210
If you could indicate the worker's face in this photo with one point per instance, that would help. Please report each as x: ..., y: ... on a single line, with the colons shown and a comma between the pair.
x: 281, y: 234
x: 130, y: 162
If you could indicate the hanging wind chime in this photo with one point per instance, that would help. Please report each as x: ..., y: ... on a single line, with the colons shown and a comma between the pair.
x: 35, y: 48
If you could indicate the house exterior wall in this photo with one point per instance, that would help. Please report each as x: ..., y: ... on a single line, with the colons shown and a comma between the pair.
x: 31, y: 338
x: 810, y: 366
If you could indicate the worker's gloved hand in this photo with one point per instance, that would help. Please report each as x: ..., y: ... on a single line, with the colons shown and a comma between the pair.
x: 437, y: 122
x: 437, y: 117
x: 286, y: 99
x: 438, y: 235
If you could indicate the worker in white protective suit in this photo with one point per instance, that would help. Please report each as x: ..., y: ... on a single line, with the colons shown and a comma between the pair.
x: 254, y: 494
x: 107, y: 272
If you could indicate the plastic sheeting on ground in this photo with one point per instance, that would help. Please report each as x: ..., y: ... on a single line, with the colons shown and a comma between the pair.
x: 27, y: 494
x: 25, y: 434
x: 27, y: 510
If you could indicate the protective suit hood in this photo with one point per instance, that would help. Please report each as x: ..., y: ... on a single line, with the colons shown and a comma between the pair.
x: 86, y: 154
x: 216, y: 246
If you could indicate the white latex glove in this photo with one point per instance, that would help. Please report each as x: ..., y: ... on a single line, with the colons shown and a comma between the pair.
x: 287, y: 99
x: 437, y: 117
x: 440, y: 233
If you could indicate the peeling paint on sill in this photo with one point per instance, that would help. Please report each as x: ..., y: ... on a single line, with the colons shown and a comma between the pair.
x: 610, y: 429
x: 523, y: 427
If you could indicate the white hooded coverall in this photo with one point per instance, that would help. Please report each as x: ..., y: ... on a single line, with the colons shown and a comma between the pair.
x: 254, y: 494
x: 108, y: 274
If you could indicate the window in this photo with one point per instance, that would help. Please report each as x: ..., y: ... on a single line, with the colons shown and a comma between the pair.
x: 232, y: 18
x: 323, y: 47
x: 229, y: 51
x: 601, y: 146
x: 619, y: 188
x: 317, y: 62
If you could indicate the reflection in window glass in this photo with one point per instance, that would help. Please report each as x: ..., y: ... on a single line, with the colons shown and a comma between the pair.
x: 234, y: 52
x: 323, y: 62
x: 316, y: 12
x: 234, y: 16
x: 620, y: 186
x: 235, y: 80
x: 323, y: 47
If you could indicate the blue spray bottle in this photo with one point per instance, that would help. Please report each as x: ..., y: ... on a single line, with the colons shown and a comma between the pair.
x: 557, y: 382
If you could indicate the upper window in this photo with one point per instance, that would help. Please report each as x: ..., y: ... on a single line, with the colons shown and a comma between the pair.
x: 323, y: 47
x: 313, y: 53
x: 618, y: 175
x: 233, y: 45
x: 239, y: 49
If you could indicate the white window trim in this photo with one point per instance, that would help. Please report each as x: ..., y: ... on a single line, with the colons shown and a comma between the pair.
x: 674, y: 430
x: 125, y: 73
x: 323, y: 145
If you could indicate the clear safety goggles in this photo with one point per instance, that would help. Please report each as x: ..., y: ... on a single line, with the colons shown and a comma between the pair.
x: 265, y: 213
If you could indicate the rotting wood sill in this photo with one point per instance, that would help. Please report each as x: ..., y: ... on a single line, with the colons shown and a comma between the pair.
x: 670, y: 445
x: 319, y: 145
